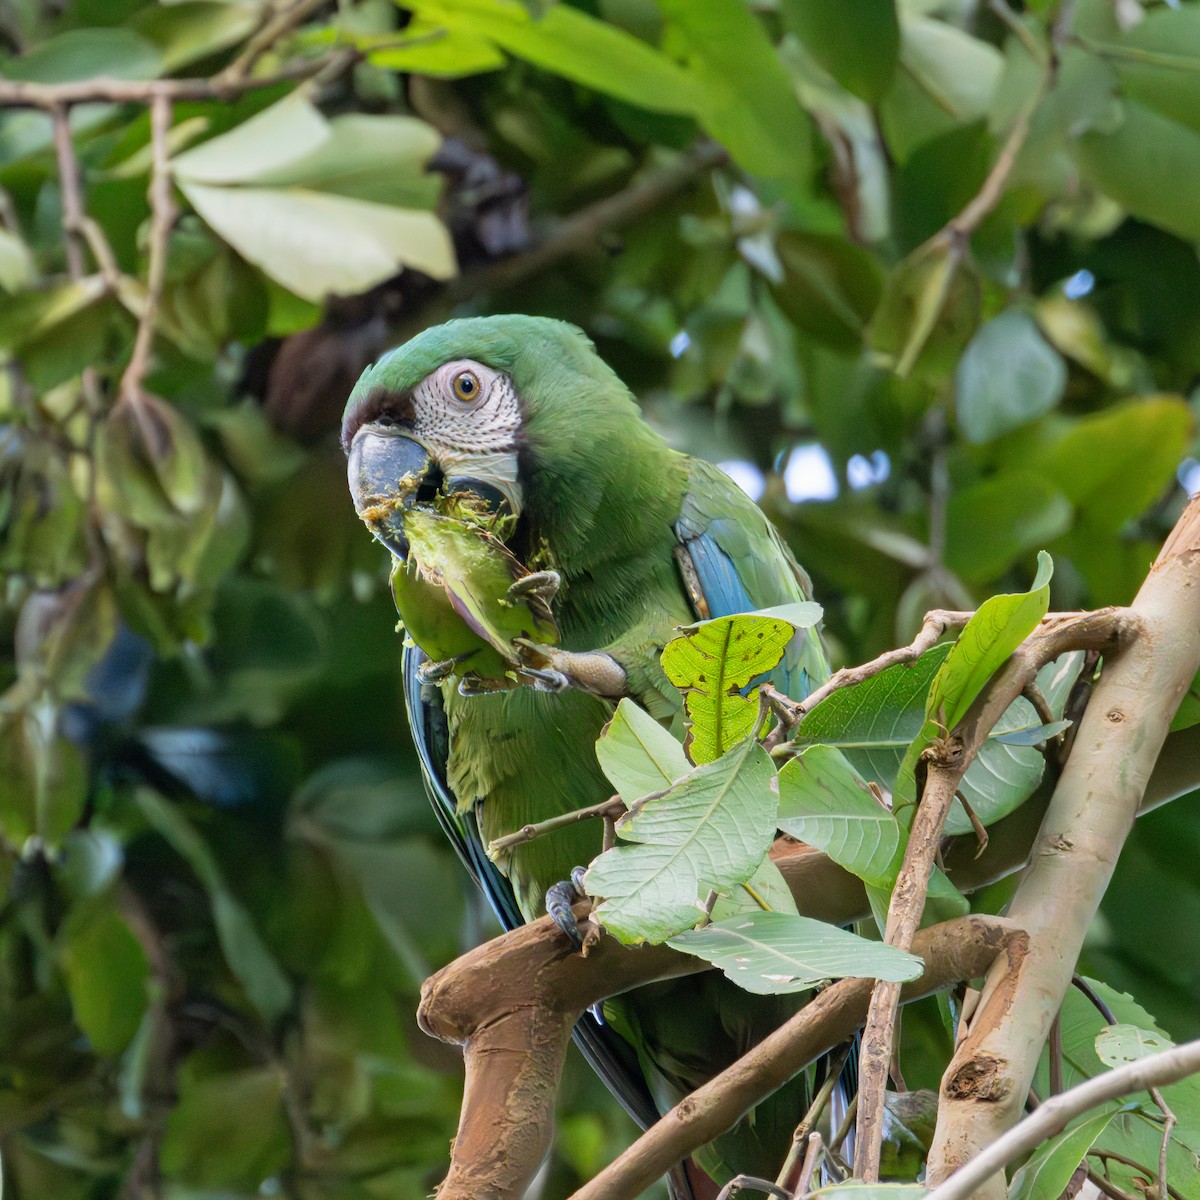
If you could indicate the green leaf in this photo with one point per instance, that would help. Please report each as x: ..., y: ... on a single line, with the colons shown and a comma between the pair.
x: 17, y: 269
x: 30, y: 314
x: 579, y: 47
x: 266, y: 986
x: 992, y: 524
x: 289, y: 130
x: 1049, y: 1169
x: 1149, y: 165
x: 928, y: 311
x: 708, y: 832
x: 377, y: 158
x: 855, y: 1189
x: 825, y: 803
x: 638, y: 755
x: 315, y: 244
x: 237, y: 1113
x: 1117, y: 1045
x: 106, y: 972
x: 998, y: 627
x: 772, y: 953
x: 830, y: 287
x: 85, y: 53
x: 1090, y: 461
x: 747, y: 99
x: 187, y: 32
x: 711, y: 663
x: 765, y: 891
x: 959, y: 73
x: 856, y: 41
x: 430, y: 49
x: 1158, y: 62
x: 1008, y: 376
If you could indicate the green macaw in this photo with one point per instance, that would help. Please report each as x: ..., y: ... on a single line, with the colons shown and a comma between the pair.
x: 625, y: 539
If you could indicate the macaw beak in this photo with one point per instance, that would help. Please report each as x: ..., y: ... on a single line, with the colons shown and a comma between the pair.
x: 390, y: 471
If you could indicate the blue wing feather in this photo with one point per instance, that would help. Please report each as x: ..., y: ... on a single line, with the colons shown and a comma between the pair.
x: 605, y: 1051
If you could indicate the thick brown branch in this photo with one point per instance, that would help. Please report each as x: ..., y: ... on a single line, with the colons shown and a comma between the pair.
x: 1118, y: 742
x: 948, y: 760
x: 952, y: 951
x: 1057, y: 1112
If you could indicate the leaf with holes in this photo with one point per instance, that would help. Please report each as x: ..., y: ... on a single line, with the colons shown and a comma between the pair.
x: 712, y: 664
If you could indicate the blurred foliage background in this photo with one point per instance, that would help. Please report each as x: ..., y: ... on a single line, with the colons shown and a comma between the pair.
x: 922, y: 275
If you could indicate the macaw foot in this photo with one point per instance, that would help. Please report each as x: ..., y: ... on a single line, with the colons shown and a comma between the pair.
x: 559, y: 899
x: 435, y: 672
x: 542, y: 584
x: 554, y: 670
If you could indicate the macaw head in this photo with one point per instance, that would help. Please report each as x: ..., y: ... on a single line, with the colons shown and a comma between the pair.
x: 518, y: 411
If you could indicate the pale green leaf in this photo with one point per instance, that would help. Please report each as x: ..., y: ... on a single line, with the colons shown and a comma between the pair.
x: 290, y: 129
x: 638, y: 755
x: 1008, y: 375
x: 378, y: 158
x: 765, y: 890
x: 771, y: 953
x: 316, y: 244
x: 708, y: 832
x: 1117, y: 1045
x: 825, y: 803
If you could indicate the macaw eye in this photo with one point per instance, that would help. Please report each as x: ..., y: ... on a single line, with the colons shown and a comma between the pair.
x: 465, y: 386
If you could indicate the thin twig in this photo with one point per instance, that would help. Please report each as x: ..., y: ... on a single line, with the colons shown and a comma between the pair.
x: 1041, y: 705
x: 1107, y: 1186
x: 936, y: 625
x: 751, y: 1183
x: 101, y: 89
x: 1110, y: 1018
x: 1058, y: 1111
x: 614, y: 806
x: 1170, y: 1120
x: 800, y: 1139
x: 68, y: 186
x: 266, y: 37
x: 1056, y: 1056
x: 162, y: 216
x: 1132, y: 1163
x: 811, y: 1158
x: 948, y: 759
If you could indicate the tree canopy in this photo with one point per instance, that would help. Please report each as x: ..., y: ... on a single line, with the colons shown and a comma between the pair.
x: 921, y: 274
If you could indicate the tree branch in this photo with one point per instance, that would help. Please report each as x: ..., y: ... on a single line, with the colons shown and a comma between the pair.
x: 953, y: 950
x: 1055, y: 1114
x: 1088, y: 820
x: 162, y: 216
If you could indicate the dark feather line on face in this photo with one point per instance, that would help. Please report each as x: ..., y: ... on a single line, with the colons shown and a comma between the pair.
x: 378, y: 402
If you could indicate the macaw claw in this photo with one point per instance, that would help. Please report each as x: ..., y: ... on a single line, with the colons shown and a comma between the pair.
x: 591, y: 670
x: 542, y: 584
x: 559, y: 900
x: 435, y: 672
